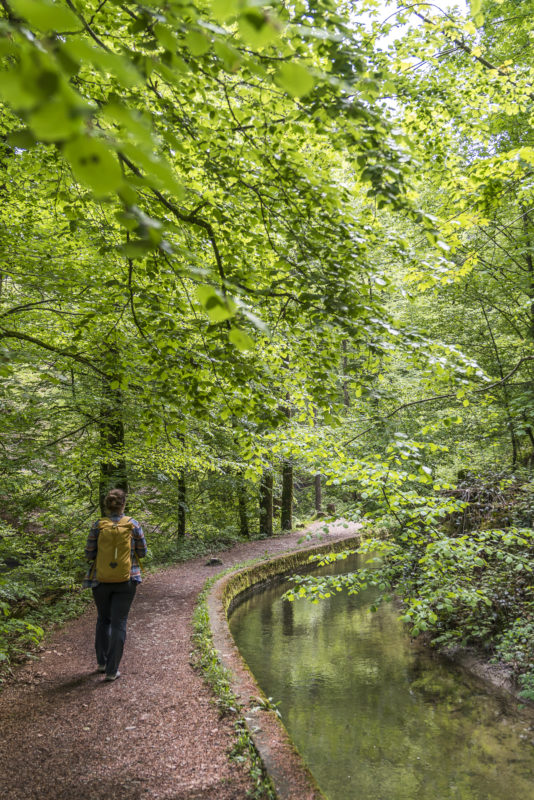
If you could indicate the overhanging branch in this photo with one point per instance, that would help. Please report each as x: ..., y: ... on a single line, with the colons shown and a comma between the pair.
x: 24, y: 337
x: 447, y: 396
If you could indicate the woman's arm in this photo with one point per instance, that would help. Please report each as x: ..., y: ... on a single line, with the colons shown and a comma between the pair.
x: 92, y: 542
x: 140, y: 545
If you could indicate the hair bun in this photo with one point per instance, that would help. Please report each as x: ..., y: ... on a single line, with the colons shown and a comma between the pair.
x: 115, y: 500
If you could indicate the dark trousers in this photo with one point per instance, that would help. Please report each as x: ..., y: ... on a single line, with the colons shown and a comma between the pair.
x: 113, y: 601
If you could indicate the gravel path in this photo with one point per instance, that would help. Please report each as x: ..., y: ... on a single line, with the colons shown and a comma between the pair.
x: 155, y: 733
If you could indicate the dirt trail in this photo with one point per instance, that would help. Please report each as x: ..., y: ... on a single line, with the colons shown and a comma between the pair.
x: 154, y: 733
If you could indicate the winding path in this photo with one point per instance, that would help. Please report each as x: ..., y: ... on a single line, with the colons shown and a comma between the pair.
x: 155, y: 733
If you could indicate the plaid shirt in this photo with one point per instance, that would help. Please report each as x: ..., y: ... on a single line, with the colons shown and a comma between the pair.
x: 139, y: 549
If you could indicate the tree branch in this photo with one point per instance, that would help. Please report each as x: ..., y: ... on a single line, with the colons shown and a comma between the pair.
x: 447, y: 396
x: 24, y: 337
x: 87, y: 27
x: 463, y: 46
x: 190, y: 218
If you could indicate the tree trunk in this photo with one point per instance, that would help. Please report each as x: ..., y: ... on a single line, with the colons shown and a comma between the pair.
x: 182, y: 504
x: 344, y: 363
x: 113, y: 463
x: 510, y: 420
x: 242, y: 506
x: 318, y: 492
x: 530, y: 267
x: 266, y: 504
x: 287, y: 496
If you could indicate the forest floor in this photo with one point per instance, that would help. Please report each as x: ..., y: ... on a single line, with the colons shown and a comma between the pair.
x: 154, y: 733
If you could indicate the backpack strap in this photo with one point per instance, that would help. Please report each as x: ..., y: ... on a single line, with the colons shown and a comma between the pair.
x: 92, y: 570
x: 135, y: 556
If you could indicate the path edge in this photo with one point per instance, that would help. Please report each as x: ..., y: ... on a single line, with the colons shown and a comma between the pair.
x: 283, y: 763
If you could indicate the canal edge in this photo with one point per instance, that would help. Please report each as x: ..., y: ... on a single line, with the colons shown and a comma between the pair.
x: 291, y: 778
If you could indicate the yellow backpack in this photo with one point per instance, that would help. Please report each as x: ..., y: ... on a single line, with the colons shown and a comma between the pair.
x: 114, y: 554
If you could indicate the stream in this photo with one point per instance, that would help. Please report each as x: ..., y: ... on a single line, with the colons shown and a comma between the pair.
x: 375, y: 716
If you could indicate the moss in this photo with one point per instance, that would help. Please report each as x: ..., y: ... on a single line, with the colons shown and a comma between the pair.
x: 287, y: 564
x: 206, y: 659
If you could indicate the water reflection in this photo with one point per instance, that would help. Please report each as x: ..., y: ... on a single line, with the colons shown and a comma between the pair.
x: 375, y: 718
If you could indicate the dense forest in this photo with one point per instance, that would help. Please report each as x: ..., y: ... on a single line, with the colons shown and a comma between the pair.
x: 261, y: 260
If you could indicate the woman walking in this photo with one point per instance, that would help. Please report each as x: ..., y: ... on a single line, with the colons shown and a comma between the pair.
x: 114, y: 546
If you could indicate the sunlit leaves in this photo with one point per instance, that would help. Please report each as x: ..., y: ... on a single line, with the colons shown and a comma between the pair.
x: 46, y: 15
x: 121, y: 67
x: 223, y: 9
x: 257, y: 27
x: 54, y: 121
x: 197, y: 43
x: 240, y: 339
x: 230, y: 57
x: 476, y: 12
x: 158, y: 172
x: 218, y: 308
x: 295, y: 79
x: 94, y: 164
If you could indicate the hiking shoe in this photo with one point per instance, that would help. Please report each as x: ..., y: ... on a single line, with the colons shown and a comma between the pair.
x: 113, y: 677
x: 101, y: 668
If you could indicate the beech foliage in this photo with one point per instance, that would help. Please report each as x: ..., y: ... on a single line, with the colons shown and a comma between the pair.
x: 243, y: 240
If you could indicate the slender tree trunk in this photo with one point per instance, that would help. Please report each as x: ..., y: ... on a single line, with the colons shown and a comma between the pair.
x: 266, y: 504
x: 182, y: 492
x: 113, y: 464
x: 242, y: 506
x: 530, y: 267
x: 287, y: 496
x: 318, y: 492
x: 511, y: 428
x: 344, y: 366
x: 286, y: 515
x: 182, y: 504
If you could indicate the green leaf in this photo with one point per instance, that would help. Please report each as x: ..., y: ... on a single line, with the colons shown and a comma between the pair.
x: 217, y: 308
x: 134, y: 124
x: 240, y: 339
x: 94, y: 165
x: 137, y: 248
x: 222, y: 9
x: 204, y: 293
x: 165, y: 37
x: 257, y: 28
x: 46, y: 15
x: 117, y: 65
x: 197, y: 43
x: 158, y: 172
x: 7, y: 48
x: 54, y: 121
x: 19, y: 93
x: 23, y: 138
x: 228, y: 55
x: 476, y: 7
x: 295, y: 79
